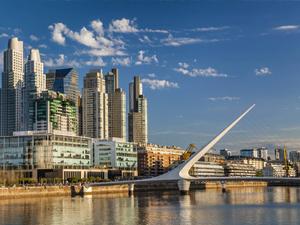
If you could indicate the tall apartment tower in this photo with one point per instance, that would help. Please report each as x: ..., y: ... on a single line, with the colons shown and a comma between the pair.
x: 12, y: 85
x: 94, y: 106
x: 137, y: 117
x: 35, y: 83
x: 116, y: 106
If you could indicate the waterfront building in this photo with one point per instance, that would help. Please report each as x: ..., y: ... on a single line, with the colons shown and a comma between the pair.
x: 278, y: 170
x: 55, y: 112
x: 233, y: 169
x: 35, y: 83
x: 116, y: 106
x: 137, y: 117
x: 207, y: 169
x: 12, y: 85
x: 257, y: 163
x: 154, y: 160
x: 94, y: 106
x: 115, y: 154
x: 43, y: 150
x: 225, y: 152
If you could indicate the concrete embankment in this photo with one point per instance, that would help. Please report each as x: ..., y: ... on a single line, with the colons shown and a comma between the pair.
x: 42, y: 191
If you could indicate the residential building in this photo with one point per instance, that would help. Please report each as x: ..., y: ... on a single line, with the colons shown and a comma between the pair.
x: 35, y: 83
x: 212, y: 157
x: 207, y: 169
x: 154, y: 160
x: 94, y: 106
x: 115, y: 154
x: 55, y: 112
x: 263, y: 153
x: 116, y: 106
x: 12, y: 85
x: 137, y: 117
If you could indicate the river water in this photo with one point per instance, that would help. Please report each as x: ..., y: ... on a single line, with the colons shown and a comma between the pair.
x: 238, y: 206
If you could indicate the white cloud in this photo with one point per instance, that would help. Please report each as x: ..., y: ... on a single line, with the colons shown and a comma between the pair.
x: 97, y: 62
x: 94, y: 39
x: 33, y: 37
x: 206, y: 29
x: 264, y: 71
x: 147, y: 30
x: 97, y: 25
x: 43, y: 46
x: 61, y: 61
x: 185, y: 69
x: 225, y: 98
x: 287, y: 27
x: 123, y: 26
x: 179, y: 41
x: 4, y: 35
x: 58, y: 32
x: 159, y: 84
x: 145, y: 40
x: 125, y: 61
x: 143, y: 59
x: 152, y: 75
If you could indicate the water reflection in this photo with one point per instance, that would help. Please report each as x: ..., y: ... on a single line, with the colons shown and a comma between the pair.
x: 276, y: 205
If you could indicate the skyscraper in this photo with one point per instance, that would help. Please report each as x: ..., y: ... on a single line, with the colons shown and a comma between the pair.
x: 12, y: 85
x: 116, y: 106
x: 94, y: 106
x: 64, y: 81
x: 35, y: 83
x: 137, y: 117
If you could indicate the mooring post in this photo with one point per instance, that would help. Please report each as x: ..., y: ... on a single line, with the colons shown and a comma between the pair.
x: 130, y: 189
x: 183, y: 186
x: 223, y: 184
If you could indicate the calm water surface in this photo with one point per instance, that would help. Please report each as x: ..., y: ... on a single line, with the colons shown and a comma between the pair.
x: 244, y: 206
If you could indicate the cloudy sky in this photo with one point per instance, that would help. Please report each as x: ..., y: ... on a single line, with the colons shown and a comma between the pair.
x: 202, y: 63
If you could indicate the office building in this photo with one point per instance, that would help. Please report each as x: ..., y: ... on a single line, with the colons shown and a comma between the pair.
x: 137, y: 117
x: 116, y: 106
x: 116, y: 154
x: 94, y: 106
x: 207, y: 169
x: 294, y: 156
x: 225, y: 152
x: 12, y: 85
x: 278, y: 170
x: 154, y: 160
x: 233, y: 169
x: 54, y: 112
x: 35, y: 83
x: 279, y: 154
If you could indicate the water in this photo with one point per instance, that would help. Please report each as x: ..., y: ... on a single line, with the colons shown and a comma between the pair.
x: 243, y: 206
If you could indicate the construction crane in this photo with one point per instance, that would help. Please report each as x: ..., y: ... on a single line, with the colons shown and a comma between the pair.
x: 188, y: 152
x: 286, y: 163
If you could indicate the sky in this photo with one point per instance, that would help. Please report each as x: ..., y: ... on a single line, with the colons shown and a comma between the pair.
x: 202, y: 62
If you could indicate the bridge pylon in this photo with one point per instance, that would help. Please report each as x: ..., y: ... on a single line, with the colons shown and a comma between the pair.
x: 183, y: 186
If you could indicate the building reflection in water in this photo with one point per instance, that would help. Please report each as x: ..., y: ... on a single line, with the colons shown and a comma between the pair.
x: 270, y: 205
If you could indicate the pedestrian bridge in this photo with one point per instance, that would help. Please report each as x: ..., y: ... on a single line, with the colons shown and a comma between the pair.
x: 181, y: 172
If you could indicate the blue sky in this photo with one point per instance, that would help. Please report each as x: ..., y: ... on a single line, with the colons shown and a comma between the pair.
x: 202, y: 62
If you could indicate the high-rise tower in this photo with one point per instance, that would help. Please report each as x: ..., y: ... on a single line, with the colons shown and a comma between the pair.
x: 35, y: 83
x: 137, y: 117
x: 12, y: 85
x: 94, y: 106
x: 116, y: 106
